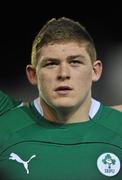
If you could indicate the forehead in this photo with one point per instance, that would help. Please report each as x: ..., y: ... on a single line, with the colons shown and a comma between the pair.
x: 58, y: 50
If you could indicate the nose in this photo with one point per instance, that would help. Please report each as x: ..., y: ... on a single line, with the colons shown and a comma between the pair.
x: 64, y: 72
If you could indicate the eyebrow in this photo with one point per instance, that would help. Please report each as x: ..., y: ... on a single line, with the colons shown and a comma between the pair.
x: 76, y: 56
x: 46, y: 59
x: 69, y: 57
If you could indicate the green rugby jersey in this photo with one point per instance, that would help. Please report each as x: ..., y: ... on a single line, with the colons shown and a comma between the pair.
x: 7, y: 103
x: 34, y: 148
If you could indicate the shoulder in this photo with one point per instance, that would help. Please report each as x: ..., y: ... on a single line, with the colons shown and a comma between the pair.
x: 117, y: 107
x: 110, y: 119
x: 7, y: 103
x: 15, y: 119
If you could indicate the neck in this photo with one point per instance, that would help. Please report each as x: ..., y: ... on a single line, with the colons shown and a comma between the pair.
x: 67, y: 115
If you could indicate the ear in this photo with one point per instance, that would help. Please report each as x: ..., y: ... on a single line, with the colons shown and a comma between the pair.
x: 31, y: 74
x: 97, y: 70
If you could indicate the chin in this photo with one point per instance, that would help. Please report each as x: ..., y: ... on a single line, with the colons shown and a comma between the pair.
x: 64, y: 104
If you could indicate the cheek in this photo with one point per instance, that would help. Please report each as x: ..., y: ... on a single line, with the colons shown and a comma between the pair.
x: 88, y: 76
x: 44, y: 80
x: 84, y: 77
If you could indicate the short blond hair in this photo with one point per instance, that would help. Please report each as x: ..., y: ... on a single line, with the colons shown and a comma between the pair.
x: 62, y: 30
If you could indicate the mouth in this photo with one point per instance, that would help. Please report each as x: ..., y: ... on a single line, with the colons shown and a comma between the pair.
x: 63, y: 89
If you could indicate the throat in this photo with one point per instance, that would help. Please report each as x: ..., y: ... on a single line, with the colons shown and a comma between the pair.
x: 73, y: 114
x: 65, y: 115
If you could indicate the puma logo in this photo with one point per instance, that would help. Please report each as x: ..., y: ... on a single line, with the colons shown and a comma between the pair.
x: 15, y: 157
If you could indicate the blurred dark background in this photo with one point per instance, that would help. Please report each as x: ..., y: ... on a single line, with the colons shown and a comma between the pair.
x: 20, y: 22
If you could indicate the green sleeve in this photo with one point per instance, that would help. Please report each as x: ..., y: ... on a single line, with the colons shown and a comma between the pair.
x: 7, y: 103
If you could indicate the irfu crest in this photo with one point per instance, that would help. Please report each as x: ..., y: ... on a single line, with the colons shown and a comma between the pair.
x: 109, y: 161
x: 108, y: 164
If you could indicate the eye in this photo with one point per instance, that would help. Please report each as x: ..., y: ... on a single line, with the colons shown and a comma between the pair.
x: 75, y: 62
x: 51, y: 64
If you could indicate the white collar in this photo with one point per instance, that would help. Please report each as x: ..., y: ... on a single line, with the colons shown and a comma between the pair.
x: 95, y: 105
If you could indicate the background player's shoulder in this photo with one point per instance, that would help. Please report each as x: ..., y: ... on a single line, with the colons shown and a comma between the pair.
x: 118, y: 107
x: 15, y: 120
x: 7, y: 103
x: 15, y: 115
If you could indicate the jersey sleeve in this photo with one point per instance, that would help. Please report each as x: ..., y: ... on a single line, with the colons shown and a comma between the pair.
x: 7, y: 103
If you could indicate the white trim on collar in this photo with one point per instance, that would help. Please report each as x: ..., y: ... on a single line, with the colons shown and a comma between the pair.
x: 38, y: 106
x: 95, y: 105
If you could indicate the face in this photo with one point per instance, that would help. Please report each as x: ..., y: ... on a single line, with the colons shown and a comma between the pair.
x: 64, y: 75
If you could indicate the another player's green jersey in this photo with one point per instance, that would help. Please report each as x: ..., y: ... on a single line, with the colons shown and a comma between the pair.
x: 34, y: 148
x: 7, y: 103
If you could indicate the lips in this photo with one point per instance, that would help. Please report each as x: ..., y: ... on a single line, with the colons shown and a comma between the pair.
x: 63, y: 88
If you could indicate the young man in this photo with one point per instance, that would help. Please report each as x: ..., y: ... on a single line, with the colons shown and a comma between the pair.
x: 58, y: 139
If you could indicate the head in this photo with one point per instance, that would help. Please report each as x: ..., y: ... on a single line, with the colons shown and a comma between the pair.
x: 62, y: 30
x: 63, y: 63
